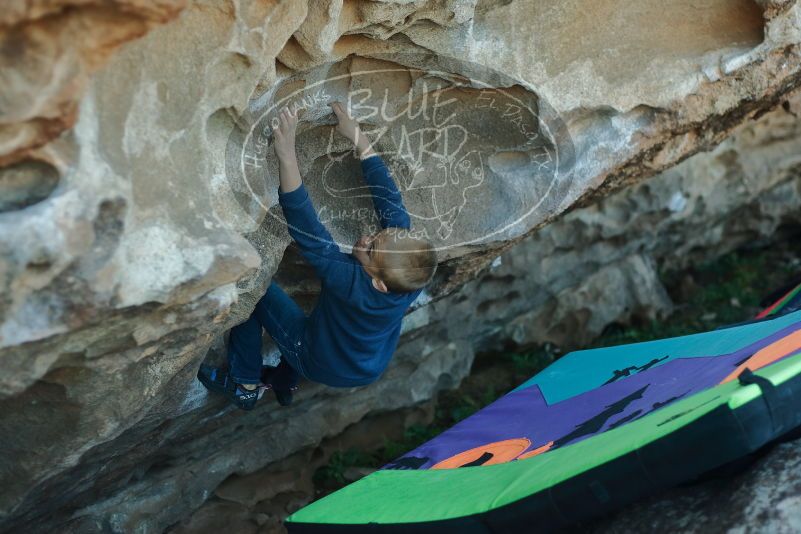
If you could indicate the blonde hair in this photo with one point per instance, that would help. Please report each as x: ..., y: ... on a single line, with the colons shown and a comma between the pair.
x: 404, y: 263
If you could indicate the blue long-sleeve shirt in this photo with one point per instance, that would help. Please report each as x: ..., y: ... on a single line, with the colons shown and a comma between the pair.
x: 354, y: 329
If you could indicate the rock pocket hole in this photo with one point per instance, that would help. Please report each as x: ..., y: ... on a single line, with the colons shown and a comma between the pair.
x: 26, y: 183
x: 509, y: 162
x: 39, y: 266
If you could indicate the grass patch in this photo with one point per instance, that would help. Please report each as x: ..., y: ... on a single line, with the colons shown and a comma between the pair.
x: 726, y: 291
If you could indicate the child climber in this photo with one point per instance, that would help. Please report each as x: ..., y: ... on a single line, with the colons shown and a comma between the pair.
x: 352, y: 332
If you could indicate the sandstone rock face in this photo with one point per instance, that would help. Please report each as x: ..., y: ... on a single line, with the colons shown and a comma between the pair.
x: 599, y: 265
x: 50, y: 49
x: 136, y: 227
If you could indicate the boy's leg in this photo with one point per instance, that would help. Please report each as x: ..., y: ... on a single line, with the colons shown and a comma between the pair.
x: 244, y: 352
x: 238, y: 383
x: 286, y: 323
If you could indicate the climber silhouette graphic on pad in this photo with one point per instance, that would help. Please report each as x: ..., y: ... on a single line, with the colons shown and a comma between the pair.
x: 351, y: 334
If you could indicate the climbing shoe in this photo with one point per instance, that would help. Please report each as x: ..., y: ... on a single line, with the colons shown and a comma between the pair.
x: 218, y: 381
x: 284, y: 398
x: 282, y: 380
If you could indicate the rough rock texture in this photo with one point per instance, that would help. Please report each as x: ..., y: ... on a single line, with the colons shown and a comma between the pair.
x: 50, y: 49
x: 130, y: 242
x: 598, y: 265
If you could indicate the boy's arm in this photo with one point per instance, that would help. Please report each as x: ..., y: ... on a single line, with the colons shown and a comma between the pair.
x: 315, y: 242
x: 387, y: 200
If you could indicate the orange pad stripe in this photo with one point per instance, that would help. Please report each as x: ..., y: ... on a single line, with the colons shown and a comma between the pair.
x: 501, y: 451
x: 775, y: 351
x: 535, y: 452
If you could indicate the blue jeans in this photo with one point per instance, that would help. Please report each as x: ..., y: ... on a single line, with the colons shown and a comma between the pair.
x: 277, y: 313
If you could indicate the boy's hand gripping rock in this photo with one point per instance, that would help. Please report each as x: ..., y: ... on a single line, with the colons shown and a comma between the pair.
x: 285, y: 133
x: 347, y: 125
